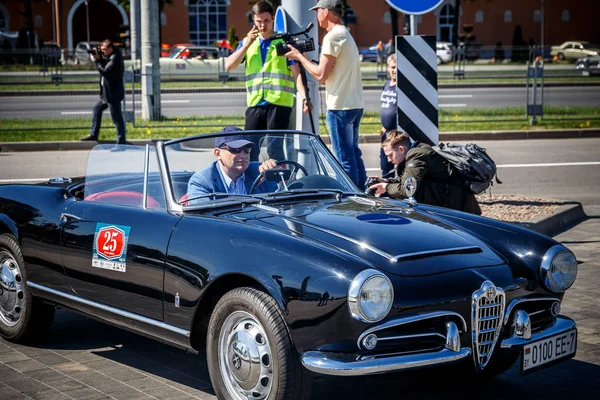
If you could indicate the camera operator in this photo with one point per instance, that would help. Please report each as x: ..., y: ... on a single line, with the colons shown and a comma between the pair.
x: 269, y: 80
x: 112, y: 90
x: 437, y: 182
x: 339, y: 70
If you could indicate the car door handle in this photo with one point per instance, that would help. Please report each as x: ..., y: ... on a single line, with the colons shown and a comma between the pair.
x: 64, y: 217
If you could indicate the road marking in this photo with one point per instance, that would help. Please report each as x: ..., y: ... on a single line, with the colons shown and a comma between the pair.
x: 174, y: 101
x: 573, y: 164
x: 452, y: 105
x: 455, y: 96
x: 75, y: 112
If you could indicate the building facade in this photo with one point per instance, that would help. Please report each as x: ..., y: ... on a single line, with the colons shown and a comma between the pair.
x: 206, y: 21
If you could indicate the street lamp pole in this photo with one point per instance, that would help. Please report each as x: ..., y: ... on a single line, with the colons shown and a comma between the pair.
x: 87, y: 19
x: 542, y: 41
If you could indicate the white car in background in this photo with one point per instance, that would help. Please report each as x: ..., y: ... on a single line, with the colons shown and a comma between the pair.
x: 203, y: 62
x: 444, y: 52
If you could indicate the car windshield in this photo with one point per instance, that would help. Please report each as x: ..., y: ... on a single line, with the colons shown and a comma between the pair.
x: 225, y: 167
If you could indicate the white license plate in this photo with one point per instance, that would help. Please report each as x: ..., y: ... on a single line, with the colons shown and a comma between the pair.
x: 548, y: 350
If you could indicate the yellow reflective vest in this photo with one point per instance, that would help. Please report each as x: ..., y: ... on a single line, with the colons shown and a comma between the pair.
x: 272, y: 81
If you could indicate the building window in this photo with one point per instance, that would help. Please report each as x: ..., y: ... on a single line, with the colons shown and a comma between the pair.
x: 38, y: 21
x: 566, y: 16
x: 163, y: 19
x: 208, y: 21
x: 537, y: 16
x: 479, y: 17
x: 387, y: 17
x: 507, y: 16
x: 445, y: 23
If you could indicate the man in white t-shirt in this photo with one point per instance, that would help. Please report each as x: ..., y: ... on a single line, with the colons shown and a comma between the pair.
x: 339, y: 70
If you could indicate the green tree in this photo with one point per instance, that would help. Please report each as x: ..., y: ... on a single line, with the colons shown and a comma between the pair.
x: 455, y: 28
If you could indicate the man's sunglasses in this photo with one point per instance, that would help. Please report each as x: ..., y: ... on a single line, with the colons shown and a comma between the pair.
x: 246, y: 149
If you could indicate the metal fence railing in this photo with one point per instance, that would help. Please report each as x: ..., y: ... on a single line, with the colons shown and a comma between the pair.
x: 57, y: 97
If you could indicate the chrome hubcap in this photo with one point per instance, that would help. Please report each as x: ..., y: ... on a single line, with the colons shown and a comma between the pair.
x: 12, y: 296
x: 245, y: 357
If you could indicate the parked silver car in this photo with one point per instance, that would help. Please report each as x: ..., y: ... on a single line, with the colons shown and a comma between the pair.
x: 574, y: 50
x: 81, y: 53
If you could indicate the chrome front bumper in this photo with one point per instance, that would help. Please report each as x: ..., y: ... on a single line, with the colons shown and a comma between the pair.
x: 352, y: 365
x: 343, y: 364
x: 563, y: 324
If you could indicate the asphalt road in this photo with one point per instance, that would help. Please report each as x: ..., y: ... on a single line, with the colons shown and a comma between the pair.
x: 219, y: 103
x: 563, y: 169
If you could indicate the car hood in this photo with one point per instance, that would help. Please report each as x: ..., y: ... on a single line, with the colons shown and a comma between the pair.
x: 396, y: 238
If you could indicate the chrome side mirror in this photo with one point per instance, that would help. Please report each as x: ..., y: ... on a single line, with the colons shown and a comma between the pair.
x: 410, y: 187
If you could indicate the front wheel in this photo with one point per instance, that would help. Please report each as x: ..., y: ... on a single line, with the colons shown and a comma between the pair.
x: 22, y: 317
x: 249, y: 350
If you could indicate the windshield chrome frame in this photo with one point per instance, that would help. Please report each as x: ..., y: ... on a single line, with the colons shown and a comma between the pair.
x: 174, y: 206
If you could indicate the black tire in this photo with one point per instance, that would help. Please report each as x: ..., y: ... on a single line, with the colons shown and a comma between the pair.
x: 23, y: 318
x: 258, y: 312
x: 561, y: 56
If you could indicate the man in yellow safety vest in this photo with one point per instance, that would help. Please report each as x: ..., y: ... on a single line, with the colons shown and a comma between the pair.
x: 270, y: 80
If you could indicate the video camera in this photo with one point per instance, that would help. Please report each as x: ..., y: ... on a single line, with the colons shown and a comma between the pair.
x: 94, y: 50
x: 302, y: 44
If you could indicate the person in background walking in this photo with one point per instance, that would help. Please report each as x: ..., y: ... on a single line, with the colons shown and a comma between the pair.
x: 269, y: 80
x: 389, y: 112
x: 339, y: 70
x: 112, y: 90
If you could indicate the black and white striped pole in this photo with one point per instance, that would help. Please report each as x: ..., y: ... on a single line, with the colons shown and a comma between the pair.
x: 416, y: 85
x: 416, y: 75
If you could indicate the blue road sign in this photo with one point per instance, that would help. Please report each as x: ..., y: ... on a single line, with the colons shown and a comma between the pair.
x: 415, y: 7
x: 280, y: 20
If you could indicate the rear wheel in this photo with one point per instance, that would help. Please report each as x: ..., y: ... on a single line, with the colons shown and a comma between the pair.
x: 22, y: 317
x: 249, y: 350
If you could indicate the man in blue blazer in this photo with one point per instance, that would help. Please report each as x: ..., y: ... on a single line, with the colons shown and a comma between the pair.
x: 232, y: 172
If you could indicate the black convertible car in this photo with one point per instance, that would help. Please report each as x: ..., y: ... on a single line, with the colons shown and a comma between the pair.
x: 310, y: 276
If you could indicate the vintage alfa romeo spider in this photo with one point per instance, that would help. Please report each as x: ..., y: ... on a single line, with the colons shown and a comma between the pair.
x: 309, y: 276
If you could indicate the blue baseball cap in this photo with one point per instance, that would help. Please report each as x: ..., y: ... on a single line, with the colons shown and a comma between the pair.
x: 235, y: 141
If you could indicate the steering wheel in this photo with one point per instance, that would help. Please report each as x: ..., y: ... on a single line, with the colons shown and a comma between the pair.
x: 297, y: 167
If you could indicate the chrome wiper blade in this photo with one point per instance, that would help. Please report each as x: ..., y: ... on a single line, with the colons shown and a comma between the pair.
x: 216, y: 196
x: 293, y: 192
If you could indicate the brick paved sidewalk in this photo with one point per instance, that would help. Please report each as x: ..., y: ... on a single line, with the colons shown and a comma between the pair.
x: 85, y: 359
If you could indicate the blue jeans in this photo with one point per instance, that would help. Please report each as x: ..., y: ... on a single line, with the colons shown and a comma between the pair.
x: 343, y: 129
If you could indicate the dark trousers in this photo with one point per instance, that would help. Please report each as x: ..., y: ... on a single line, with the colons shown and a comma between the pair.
x: 115, y: 114
x: 269, y: 117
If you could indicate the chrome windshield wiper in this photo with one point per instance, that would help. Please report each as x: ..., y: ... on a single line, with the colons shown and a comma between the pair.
x: 301, y: 192
x: 217, y: 196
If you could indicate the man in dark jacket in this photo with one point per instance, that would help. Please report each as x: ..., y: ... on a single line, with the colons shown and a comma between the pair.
x: 437, y: 182
x: 112, y: 90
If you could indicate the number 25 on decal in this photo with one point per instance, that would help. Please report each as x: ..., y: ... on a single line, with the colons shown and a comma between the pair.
x: 110, y: 241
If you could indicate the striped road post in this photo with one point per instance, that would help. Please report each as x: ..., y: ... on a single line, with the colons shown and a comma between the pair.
x: 417, y: 87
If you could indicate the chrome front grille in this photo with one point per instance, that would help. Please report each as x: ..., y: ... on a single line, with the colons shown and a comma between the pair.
x: 487, y: 313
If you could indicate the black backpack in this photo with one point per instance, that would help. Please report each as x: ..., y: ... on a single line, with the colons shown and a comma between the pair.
x: 472, y: 162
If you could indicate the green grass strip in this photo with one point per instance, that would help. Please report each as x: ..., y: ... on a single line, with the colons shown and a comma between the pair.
x: 19, y: 130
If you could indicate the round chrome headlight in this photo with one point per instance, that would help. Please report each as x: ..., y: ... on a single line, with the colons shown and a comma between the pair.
x: 559, y: 268
x: 370, y: 296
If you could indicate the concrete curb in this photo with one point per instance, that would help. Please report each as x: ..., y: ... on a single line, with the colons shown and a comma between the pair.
x: 550, y: 225
x: 365, y: 138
